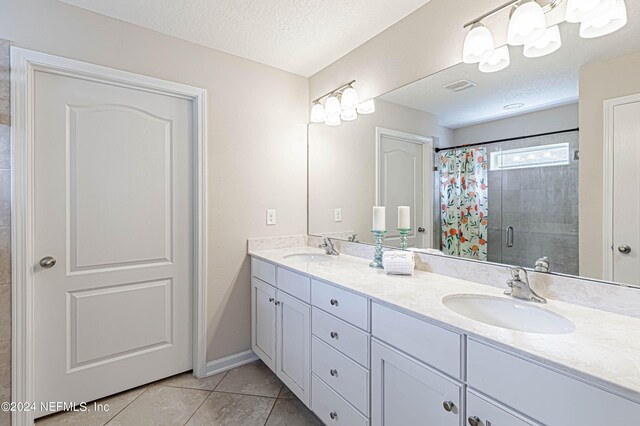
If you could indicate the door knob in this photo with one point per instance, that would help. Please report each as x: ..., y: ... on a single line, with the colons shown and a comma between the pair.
x: 624, y: 249
x: 421, y: 229
x: 47, y: 262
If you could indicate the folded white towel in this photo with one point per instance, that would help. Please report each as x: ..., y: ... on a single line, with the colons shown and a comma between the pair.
x: 398, y: 262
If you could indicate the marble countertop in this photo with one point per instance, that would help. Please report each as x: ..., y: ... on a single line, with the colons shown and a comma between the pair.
x: 604, y: 348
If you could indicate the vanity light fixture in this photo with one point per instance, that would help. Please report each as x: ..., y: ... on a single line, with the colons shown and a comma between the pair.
x: 528, y: 28
x: 498, y: 61
x: 340, y: 104
x: 545, y: 45
x: 610, y: 21
x: 478, y: 45
x: 526, y: 24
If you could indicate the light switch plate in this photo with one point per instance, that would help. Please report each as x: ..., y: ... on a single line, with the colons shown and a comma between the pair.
x: 337, y: 216
x: 271, y: 217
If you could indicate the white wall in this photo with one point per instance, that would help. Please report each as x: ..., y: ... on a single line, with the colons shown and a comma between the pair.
x: 533, y: 123
x: 342, y: 166
x: 257, y: 137
x: 598, y: 82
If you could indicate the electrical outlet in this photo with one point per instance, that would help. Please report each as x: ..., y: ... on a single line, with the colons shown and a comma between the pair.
x: 271, y: 217
x: 337, y: 215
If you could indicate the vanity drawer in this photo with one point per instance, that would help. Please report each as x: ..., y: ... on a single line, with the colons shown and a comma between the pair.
x: 349, y: 379
x: 264, y: 271
x: 348, y: 306
x: 295, y: 284
x: 344, y: 337
x: 488, y: 413
x: 331, y: 408
x: 543, y: 394
x: 427, y: 342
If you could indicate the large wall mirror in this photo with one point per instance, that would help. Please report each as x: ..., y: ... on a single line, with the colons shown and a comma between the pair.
x: 541, y: 159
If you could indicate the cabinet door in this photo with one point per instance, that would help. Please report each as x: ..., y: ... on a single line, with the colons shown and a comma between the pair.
x: 406, y: 392
x: 294, y: 345
x: 263, y: 322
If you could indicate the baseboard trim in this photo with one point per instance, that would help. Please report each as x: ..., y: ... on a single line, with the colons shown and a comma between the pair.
x: 228, y: 362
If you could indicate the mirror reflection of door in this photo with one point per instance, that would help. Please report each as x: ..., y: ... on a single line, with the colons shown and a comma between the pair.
x: 403, y: 164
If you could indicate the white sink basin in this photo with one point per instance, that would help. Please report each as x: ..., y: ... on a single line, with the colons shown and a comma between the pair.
x: 309, y: 257
x: 508, y: 313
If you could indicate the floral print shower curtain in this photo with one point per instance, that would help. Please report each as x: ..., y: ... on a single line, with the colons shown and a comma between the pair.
x: 464, y: 199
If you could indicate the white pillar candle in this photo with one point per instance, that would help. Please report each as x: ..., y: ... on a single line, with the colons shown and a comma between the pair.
x: 379, y: 220
x: 404, y: 217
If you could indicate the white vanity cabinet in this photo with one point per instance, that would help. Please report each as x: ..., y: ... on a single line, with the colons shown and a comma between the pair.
x: 405, y: 391
x: 281, y: 324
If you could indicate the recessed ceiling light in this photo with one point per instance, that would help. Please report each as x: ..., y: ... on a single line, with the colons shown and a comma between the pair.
x: 513, y: 106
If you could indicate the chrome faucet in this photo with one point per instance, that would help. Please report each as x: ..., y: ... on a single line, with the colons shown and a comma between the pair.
x: 328, y: 247
x: 520, y: 287
x: 352, y: 238
x: 542, y: 265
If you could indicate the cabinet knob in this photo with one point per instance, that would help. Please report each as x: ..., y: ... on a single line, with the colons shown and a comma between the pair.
x: 277, y: 302
x: 333, y: 415
x: 271, y: 299
x: 448, y: 406
x: 624, y: 249
x: 474, y: 421
x: 334, y: 334
x: 333, y: 372
x: 334, y: 302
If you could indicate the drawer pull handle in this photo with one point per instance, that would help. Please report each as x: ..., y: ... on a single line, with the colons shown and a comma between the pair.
x: 333, y: 415
x: 271, y: 299
x: 474, y: 421
x: 334, y: 334
x: 334, y: 302
x: 448, y: 406
x: 333, y: 372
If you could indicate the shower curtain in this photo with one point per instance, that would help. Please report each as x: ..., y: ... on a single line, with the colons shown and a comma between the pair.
x: 464, y: 202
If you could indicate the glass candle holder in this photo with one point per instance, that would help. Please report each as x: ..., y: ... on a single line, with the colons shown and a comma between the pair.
x: 377, y: 258
x: 404, y: 237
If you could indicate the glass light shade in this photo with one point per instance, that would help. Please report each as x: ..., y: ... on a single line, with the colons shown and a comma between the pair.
x: 317, y: 113
x: 548, y: 43
x: 478, y: 45
x: 349, y: 98
x: 367, y: 107
x: 332, y: 120
x: 527, y: 24
x: 349, y: 114
x: 607, y: 23
x: 497, y: 62
x: 332, y: 106
x: 579, y: 10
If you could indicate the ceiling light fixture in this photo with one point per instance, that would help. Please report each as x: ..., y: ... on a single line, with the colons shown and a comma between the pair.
x: 497, y: 62
x: 610, y: 21
x: 513, y: 106
x: 545, y: 45
x: 340, y: 104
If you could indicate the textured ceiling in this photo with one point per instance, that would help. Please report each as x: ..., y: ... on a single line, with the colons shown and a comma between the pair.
x: 538, y: 83
x: 300, y: 36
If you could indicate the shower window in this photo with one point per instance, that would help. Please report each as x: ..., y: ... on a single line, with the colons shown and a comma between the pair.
x: 532, y: 156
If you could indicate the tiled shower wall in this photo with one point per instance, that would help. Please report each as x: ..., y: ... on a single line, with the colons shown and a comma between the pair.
x: 5, y: 231
x: 541, y: 204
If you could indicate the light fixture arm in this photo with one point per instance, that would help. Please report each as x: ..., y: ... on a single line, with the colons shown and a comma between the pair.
x: 552, y: 4
x: 334, y: 91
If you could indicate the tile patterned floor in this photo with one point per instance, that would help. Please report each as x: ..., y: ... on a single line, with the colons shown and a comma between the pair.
x: 250, y: 395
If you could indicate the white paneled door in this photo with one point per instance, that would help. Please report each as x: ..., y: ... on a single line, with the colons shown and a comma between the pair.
x: 404, y: 178
x: 625, y: 243
x: 114, y: 244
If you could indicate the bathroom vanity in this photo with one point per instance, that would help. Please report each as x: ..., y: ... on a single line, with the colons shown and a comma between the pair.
x: 360, y: 347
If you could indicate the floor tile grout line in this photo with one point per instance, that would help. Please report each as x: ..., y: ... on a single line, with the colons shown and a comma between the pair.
x: 272, y: 407
x: 196, y: 410
x: 130, y: 402
x: 223, y: 377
